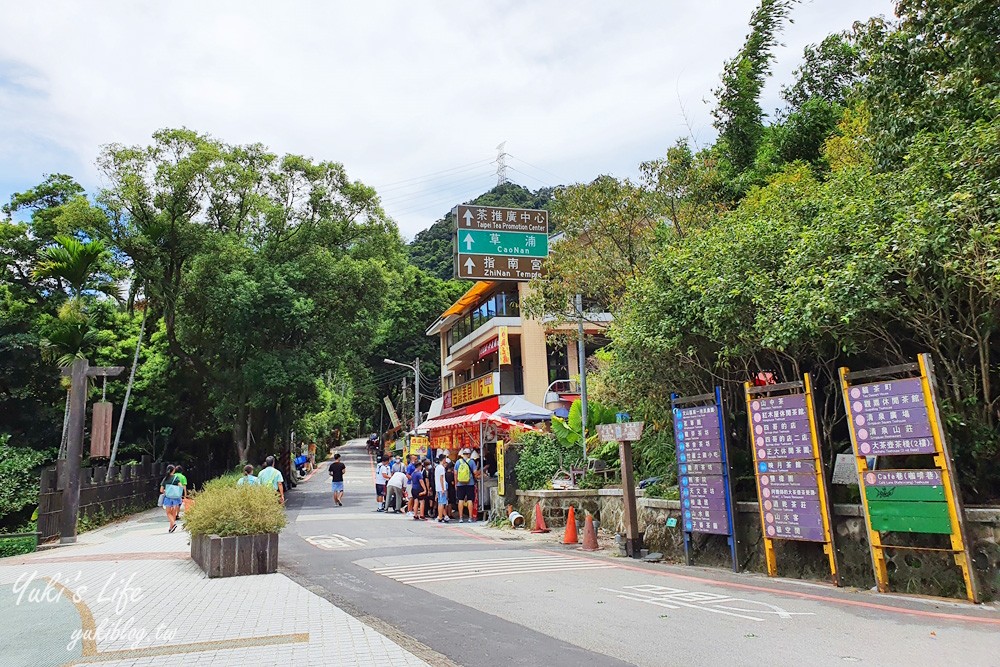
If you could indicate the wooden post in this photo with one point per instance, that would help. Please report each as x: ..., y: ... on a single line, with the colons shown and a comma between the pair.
x: 633, y: 540
x: 74, y: 451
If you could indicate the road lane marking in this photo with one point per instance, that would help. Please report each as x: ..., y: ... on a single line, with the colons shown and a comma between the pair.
x: 331, y: 542
x: 795, y: 594
x: 677, y: 598
x: 483, y: 568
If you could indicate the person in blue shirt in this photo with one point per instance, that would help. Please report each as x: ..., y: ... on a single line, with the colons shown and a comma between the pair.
x: 248, y: 477
x: 465, y: 483
x: 419, y: 487
x: 410, y: 467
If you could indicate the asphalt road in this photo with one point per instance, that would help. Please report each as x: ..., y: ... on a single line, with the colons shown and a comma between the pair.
x: 468, y: 595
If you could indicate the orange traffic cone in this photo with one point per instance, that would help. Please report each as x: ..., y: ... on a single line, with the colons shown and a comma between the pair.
x: 569, y: 537
x: 539, y: 521
x: 589, y: 535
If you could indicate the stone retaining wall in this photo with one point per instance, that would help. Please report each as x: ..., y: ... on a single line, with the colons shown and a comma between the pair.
x: 932, y: 573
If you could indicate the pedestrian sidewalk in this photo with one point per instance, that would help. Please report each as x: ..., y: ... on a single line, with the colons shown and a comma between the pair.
x: 129, y: 594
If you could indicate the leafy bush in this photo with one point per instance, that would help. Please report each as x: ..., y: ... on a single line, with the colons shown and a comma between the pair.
x: 539, y: 457
x: 225, y: 510
x: 661, y: 490
x: 18, y: 479
x: 591, y: 481
x: 222, y: 481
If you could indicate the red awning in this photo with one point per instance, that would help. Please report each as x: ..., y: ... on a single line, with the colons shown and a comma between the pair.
x: 460, y: 421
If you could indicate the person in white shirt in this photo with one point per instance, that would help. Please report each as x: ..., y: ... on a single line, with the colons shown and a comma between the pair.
x: 441, y: 488
x: 394, y: 488
x: 382, y: 474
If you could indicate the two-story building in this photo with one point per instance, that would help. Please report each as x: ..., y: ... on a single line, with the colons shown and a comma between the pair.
x: 491, y: 354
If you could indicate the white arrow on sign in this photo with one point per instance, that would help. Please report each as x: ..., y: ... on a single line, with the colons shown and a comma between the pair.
x: 469, y: 265
x: 468, y: 217
x: 468, y: 241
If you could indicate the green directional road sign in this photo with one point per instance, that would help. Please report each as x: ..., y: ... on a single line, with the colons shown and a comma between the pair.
x: 508, y: 244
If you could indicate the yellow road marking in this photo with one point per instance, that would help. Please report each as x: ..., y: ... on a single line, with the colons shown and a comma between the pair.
x: 92, y: 655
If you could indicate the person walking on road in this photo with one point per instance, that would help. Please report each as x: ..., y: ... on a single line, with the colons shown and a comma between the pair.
x: 394, y: 491
x: 419, y: 486
x: 248, y: 477
x: 173, y: 491
x: 273, y: 477
x: 337, y: 480
x: 465, y: 481
x: 410, y: 467
x: 382, y: 474
x: 441, y: 487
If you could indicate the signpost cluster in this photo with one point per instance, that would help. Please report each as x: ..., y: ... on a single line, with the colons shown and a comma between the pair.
x: 493, y: 243
x: 904, y: 469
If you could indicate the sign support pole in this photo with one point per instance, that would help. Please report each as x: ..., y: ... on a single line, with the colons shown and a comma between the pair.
x: 830, y: 548
x: 770, y: 558
x: 942, y: 459
x: 874, y: 538
x: 733, y: 548
x: 633, y: 539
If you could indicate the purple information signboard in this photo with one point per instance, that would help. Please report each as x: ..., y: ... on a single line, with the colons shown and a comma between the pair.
x: 786, y: 468
x: 703, y: 490
x: 890, y: 418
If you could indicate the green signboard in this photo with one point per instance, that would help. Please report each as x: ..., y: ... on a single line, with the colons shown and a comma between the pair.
x: 511, y: 244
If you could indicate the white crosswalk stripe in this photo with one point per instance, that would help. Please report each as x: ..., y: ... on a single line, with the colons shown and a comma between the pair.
x: 491, y: 567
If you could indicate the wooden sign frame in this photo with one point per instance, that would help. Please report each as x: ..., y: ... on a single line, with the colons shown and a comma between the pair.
x: 777, y: 391
x: 943, y: 466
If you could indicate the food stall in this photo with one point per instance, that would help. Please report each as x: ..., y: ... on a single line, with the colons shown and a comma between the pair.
x: 472, y: 431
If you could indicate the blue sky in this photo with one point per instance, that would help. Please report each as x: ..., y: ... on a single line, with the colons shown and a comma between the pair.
x: 412, y: 98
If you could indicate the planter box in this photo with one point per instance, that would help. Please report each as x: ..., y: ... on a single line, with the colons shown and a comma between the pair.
x: 235, y: 556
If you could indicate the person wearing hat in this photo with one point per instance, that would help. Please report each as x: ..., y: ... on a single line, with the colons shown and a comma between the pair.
x: 465, y: 483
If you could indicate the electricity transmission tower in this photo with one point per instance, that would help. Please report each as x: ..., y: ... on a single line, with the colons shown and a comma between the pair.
x: 501, y: 164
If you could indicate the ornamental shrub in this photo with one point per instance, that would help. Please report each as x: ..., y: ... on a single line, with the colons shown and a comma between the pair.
x: 226, y: 510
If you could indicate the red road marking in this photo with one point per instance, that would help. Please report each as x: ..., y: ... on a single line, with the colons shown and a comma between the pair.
x: 794, y: 594
x: 468, y: 534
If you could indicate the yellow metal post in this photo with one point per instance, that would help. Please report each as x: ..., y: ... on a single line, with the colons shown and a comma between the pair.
x: 942, y: 460
x: 874, y: 539
x: 824, y: 498
x: 769, y: 556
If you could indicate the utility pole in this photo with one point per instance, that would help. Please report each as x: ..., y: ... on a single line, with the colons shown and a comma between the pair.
x: 402, y: 402
x: 416, y: 391
x: 79, y: 373
x: 581, y: 353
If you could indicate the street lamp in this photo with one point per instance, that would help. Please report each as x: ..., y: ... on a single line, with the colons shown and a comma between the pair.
x: 416, y: 386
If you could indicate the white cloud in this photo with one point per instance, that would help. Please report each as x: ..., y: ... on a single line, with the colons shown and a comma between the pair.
x: 392, y: 90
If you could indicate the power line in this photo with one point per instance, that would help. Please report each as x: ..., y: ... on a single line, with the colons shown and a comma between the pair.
x: 561, y: 179
x: 439, y: 202
x: 530, y: 176
x: 402, y: 197
x: 438, y: 179
x: 433, y: 173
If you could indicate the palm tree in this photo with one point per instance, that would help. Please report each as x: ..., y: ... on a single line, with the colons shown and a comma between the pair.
x: 77, y: 263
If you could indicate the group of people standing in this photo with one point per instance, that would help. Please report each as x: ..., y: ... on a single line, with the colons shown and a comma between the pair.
x: 439, y: 490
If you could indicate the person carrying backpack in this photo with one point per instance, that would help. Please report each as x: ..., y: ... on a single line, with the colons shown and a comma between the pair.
x: 465, y: 483
x: 173, y: 495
